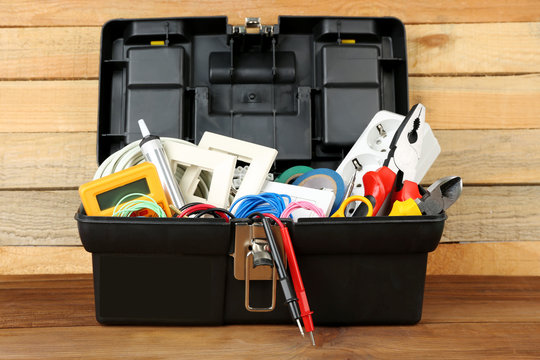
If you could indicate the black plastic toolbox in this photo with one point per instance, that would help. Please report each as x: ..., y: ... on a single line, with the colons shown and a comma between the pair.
x: 307, y: 87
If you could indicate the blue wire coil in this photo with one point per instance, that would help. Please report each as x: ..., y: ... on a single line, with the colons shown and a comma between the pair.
x: 271, y: 203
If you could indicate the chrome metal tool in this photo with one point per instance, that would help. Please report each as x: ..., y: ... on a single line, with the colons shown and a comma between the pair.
x: 438, y: 197
x: 153, y: 151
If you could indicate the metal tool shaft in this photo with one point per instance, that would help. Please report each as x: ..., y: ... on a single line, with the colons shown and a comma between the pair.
x: 153, y: 151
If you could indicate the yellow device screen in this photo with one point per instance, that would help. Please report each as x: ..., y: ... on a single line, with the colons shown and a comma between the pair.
x: 99, y: 197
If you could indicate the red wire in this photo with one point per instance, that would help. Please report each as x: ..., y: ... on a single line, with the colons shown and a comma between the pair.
x: 295, y: 274
x: 190, y: 210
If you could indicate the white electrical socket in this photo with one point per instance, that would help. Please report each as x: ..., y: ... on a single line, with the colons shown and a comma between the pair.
x: 372, y: 147
x: 260, y: 159
x: 220, y: 165
x: 322, y: 198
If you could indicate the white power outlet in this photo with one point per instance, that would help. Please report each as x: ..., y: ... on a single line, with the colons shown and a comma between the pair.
x: 372, y: 147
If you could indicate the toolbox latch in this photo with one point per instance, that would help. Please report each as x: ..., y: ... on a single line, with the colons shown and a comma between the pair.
x: 259, y: 256
x: 252, y: 260
x: 252, y: 25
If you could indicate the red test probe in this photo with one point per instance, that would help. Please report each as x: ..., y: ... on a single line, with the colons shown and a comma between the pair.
x: 298, y: 284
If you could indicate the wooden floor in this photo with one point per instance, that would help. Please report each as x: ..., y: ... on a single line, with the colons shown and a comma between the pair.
x: 465, y: 317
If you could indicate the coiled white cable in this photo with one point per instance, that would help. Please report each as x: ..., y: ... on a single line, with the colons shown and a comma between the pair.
x: 131, y: 155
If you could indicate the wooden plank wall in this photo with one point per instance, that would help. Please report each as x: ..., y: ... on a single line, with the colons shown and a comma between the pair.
x: 475, y: 65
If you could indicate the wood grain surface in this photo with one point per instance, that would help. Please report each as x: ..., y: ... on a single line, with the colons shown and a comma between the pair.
x: 479, y: 102
x: 517, y: 258
x: 475, y: 65
x: 485, y: 102
x: 488, y: 156
x: 430, y: 341
x: 447, y: 299
x: 47, y: 160
x: 66, y: 160
x: 88, y: 12
x: 433, y: 49
x: 27, y: 260
x: 474, y: 48
x: 481, y: 299
x: 483, y: 214
x: 39, y: 217
x: 48, y: 106
x: 46, y: 301
x: 49, y: 52
x: 478, y: 216
x: 463, y: 317
x: 488, y: 258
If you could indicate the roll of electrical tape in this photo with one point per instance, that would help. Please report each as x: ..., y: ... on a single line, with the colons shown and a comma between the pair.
x: 291, y: 174
x: 324, y: 179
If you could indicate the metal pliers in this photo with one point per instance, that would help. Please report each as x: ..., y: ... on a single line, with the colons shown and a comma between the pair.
x: 396, y: 177
x: 438, y: 197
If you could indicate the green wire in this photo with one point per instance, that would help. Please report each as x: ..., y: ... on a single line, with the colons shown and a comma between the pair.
x: 130, y: 207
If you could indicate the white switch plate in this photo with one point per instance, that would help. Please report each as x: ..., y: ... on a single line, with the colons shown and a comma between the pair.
x: 260, y: 159
x: 220, y: 165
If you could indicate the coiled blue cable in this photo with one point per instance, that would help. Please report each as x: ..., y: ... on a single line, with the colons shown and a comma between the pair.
x: 270, y: 203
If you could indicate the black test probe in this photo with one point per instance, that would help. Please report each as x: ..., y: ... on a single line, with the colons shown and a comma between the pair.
x: 284, y: 281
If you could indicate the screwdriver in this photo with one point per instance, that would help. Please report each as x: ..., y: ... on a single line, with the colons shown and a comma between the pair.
x: 288, y: 291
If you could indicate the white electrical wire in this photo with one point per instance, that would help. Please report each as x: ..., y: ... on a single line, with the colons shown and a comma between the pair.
x: 130, y: 155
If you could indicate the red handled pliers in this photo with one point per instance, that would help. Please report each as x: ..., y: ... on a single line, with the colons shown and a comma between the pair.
x: 399, y: 168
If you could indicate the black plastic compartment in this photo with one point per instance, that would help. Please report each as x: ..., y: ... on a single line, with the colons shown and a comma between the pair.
x: 168, y: 271
x: 304, y: 90
x: 144, y: 269
x: 301, y: 86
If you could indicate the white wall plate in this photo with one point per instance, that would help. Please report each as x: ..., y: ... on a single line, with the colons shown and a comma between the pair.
x: 260, y: 159
x: 220, y: 165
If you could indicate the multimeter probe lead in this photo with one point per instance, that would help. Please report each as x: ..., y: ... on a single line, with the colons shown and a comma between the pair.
x: 296, y: 277
x: 288, y: 291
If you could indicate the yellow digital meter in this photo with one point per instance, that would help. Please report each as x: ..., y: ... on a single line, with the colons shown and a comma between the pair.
x: 99, y: 197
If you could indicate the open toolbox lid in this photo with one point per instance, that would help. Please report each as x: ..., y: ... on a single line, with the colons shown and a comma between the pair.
x: 306, y: 87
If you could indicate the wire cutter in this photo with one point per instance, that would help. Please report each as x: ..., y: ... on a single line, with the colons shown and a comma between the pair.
x: 438, y: 197
x: 399, y: 168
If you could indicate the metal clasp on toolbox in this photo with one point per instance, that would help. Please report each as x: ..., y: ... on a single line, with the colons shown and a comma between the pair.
x: 253, y: 26
x: 253, y: 261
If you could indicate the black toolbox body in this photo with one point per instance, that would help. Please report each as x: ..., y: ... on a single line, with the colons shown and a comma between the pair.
x: 307, y: 87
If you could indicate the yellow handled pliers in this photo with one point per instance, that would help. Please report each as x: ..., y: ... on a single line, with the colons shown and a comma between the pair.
x: 341, y: 211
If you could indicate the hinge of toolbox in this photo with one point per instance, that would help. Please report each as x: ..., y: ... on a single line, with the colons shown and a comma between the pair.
x: 252, y: 25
